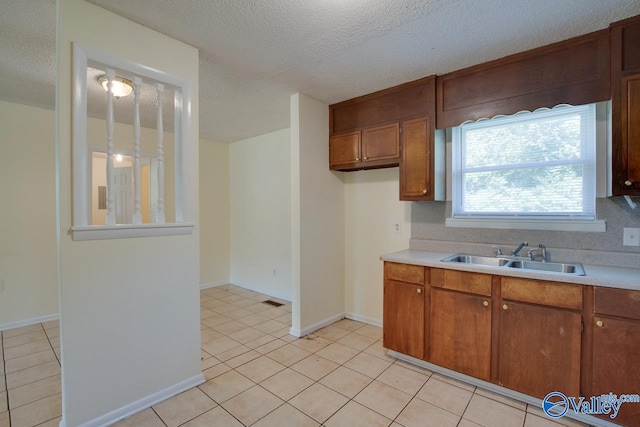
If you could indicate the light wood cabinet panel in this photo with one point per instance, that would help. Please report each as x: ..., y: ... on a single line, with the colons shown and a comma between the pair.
x: 404, y: 322
x: 616, y: 343
x: 416, y: 169
x: 460, y: 332
x: 344, y: 149
x: 404, y: 272
x: 381, y: 143
x: 475, y: 283
x: 617, y: 302
x: 556, y: 294
x: 539, y: 349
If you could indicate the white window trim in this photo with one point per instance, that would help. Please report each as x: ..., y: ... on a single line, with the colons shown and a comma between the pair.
x: 184, y: 214
x: 603, y: 143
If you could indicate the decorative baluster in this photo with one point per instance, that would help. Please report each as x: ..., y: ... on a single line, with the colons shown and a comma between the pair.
x: 160, y: 212
x: 111, y: 201
x: 137, y: 216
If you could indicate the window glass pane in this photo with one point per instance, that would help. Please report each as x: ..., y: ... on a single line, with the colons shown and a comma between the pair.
x: 539, y: 164
x: 528, y: 141
x: 554, y: 189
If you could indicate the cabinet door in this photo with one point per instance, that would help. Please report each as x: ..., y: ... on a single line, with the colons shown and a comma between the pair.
x: 616, y: 343
x: 631, y: 132
x: 344, y: 149
x: 460, y: 332
x: 539, y: 349
x: 415, y: 169
x: 381, y: 143
x: 403, y: 325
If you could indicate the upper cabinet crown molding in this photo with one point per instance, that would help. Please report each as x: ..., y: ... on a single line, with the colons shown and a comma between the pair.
x: 574, y: 71
x: 394, y: 104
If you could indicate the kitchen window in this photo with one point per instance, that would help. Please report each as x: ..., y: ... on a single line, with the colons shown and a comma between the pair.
x: 532, y: 170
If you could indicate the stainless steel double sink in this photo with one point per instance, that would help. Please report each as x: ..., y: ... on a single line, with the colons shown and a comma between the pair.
x: 573, y: 269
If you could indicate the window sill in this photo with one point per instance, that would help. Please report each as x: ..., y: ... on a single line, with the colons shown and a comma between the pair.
x: 124, y: 231
x: 597, y: 226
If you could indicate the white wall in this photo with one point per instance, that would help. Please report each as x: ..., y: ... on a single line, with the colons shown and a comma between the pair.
x: 129, y: 307
x: 317, y: 220
x: 27, y: 218
x: 214, y: 213
x: 260, y: 182
x: 372, y: 208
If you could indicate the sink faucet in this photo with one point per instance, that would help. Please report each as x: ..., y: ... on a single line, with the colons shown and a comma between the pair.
x: 517, y: 250
x: 544, y: 253
x: 532, y: 253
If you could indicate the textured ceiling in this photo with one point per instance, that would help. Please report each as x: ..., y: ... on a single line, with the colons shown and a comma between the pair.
x: 255, y: 53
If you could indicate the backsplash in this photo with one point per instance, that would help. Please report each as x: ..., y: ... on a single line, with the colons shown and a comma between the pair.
x: 428, y: 232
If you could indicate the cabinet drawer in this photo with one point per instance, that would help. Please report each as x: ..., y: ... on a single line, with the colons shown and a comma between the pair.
x: 475, y: 283
x: 617, y: 302
x: 404, y: 272
x: 555, y: 294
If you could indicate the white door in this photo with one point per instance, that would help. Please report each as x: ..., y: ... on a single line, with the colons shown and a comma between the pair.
x: 123, y: 190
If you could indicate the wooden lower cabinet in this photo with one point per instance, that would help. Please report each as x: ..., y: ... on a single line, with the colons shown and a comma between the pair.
x: 539, y: 349
x: 460, y: 332
x: 523, y: 334
x: 615, y: 331
x: 403, y: 328
x: 615, y: 369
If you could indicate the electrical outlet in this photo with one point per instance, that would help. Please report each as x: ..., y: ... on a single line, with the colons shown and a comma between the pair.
x: 274, y: 272
x: 396, y: 228
x: 631, y: 237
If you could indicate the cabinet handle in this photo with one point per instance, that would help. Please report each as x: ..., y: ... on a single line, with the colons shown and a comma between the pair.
x: 424, y: 191
x: 357, y: 159
x: 419, y: 290
x: 505, y: 306
x: 599, y: 323
x: 485, y: 303
x: 628, y: 183
x: 366, y: 158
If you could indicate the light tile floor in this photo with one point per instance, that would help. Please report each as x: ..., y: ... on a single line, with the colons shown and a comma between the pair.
x: 257, y: 374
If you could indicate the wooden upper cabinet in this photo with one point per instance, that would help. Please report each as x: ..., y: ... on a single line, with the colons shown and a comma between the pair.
x: 574, y: 71
x: 625, y: 100
x: 382, y: 142
x: 390, y: 105
x: 416, y: 168
x: 374, y: 120
x: 344, y: 149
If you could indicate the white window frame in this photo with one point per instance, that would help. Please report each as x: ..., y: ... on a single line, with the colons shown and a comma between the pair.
x: 81, y: 229
x: 542, y: 221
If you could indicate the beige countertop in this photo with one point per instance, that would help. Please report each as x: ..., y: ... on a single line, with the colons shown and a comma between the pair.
x: 596, y: 275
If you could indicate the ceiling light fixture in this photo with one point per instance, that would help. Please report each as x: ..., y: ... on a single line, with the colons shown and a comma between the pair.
x: 121, y: 86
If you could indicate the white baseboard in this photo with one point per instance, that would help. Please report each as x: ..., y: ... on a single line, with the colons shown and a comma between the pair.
x: 310, y: 329
x: 27, y: 322
x: 533, y: 401
x: 213, y: 284
x: 142, y: 404
x: 366, y: 319
x: 262, y: 291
